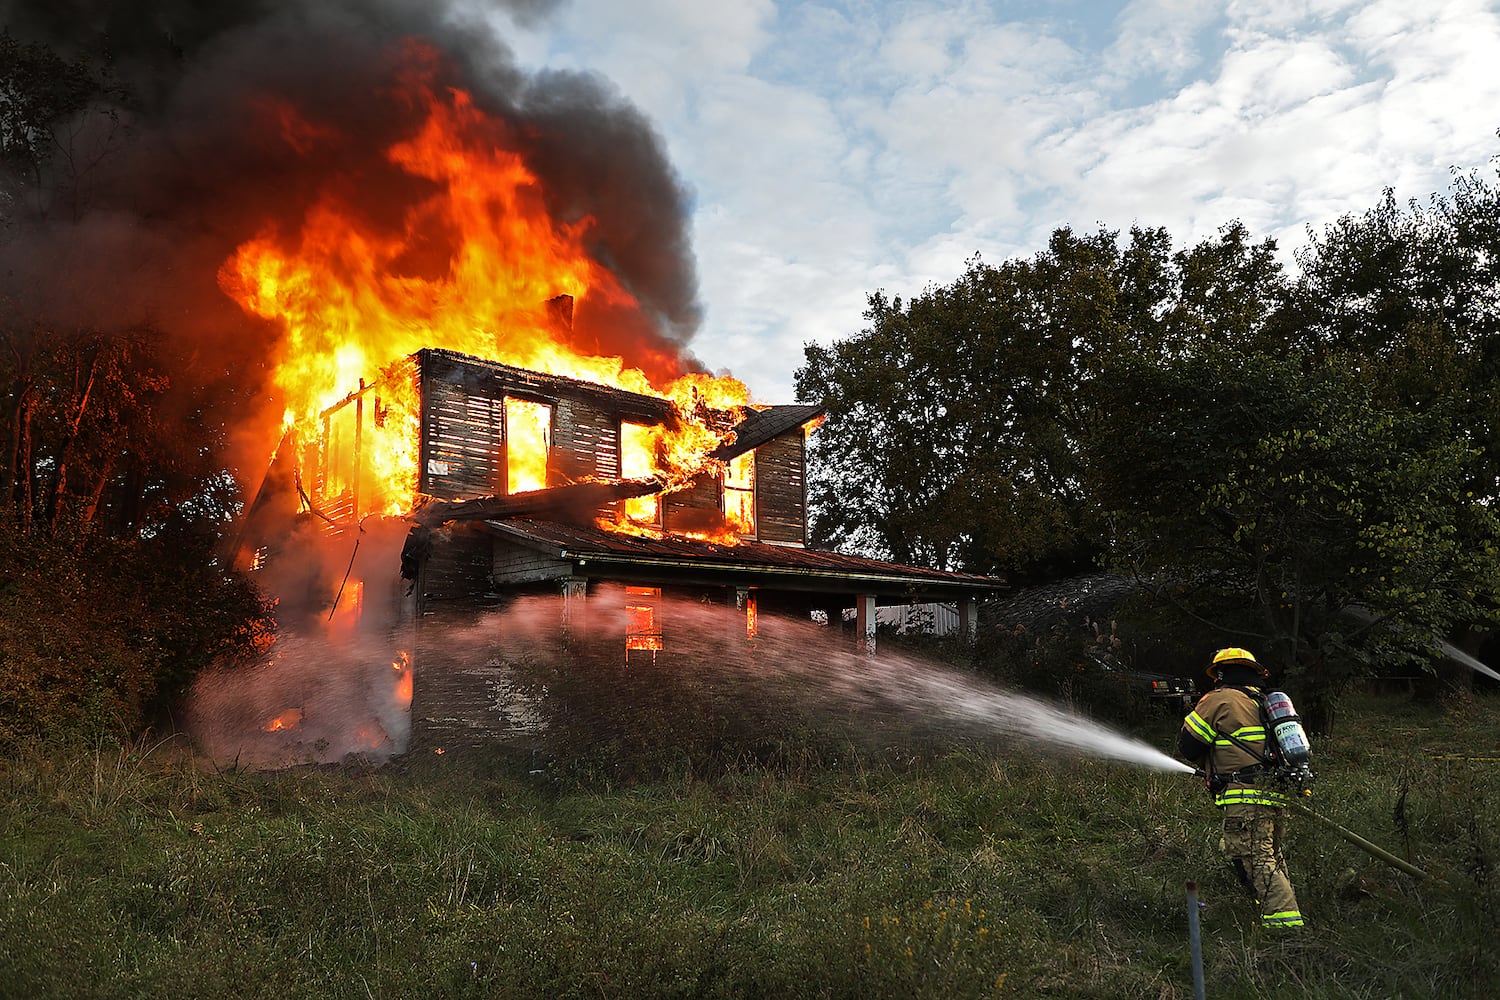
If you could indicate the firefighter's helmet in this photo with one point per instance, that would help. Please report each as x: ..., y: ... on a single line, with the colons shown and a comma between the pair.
x: 1235, y: 656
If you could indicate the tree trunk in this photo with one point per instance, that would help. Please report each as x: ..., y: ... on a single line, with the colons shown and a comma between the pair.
x: 21, y: 481
x: 65, y: 453
x: 91, y: 506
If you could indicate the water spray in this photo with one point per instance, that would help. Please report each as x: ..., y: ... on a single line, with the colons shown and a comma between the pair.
x: 1452, y: 652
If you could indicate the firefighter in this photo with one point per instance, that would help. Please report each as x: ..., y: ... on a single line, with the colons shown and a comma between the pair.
x: 1226, y: 736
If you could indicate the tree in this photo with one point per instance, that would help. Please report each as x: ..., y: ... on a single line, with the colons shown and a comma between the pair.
x: 39, y: 92
x: 956, y: 421
x: 1416, y: 288
x: 1293, y: 507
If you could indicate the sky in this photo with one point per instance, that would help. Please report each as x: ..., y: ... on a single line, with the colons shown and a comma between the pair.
x: 833, y: 149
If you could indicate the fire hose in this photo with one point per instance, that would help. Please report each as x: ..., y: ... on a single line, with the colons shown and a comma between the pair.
x: 1304, y: 776
x: 1358, y: 841
x: 1374, y: 850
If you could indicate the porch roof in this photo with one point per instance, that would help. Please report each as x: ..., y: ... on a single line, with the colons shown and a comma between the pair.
x: 782, y: 567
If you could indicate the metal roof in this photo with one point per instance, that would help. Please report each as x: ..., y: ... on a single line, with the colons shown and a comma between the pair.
x: 785, y: 565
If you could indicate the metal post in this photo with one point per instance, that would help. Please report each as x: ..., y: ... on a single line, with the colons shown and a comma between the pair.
x: 1195, y: 940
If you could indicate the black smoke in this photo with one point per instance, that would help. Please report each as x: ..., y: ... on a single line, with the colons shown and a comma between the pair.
x: 175, y: 162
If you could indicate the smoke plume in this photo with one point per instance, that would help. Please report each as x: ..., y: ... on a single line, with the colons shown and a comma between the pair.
x: 216, y: 123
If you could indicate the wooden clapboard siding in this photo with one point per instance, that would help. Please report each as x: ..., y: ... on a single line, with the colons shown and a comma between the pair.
x: 695, y: 509
x: 586, y: 442
x: 458, y: 565
x: 463, y: 423
x: 462, y: 448
x: 463, y: 700
x: 513, y: 565
x: 463, y: 453
x: 780, y: 492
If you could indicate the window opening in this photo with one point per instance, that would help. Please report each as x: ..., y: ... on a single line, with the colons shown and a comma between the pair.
x: 739, y: 493
x: 638, y: 461
x: 528, y: 442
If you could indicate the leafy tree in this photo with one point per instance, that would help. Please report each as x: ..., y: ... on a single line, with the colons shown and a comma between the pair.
x: 1415, y: 288
x: 1294, y: 508
x: 956, y: 421
x: 104, y: 635
x: 114, y: 492
x: 40, y: 94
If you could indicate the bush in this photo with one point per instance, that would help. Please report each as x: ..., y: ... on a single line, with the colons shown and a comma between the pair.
x: 101, y: 636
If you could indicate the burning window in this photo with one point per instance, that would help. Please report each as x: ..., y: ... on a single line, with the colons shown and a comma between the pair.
x: 528, y: 441
x: 340, y: 455
x: 367, y: 450
x: 642, y: 627
x: 638, y: 461
x: 739, y: 493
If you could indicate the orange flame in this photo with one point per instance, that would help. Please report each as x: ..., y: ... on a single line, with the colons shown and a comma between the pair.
x: 352, y: 303
x: 402, y: 665
x: 290, y: 719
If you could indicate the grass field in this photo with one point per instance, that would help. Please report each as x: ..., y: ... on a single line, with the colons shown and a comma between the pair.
x: 143, y: 871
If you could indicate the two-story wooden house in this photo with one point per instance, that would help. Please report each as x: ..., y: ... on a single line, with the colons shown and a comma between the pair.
x: 531, y: 484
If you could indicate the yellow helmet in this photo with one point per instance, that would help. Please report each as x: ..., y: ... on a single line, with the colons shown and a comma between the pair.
x: 1235, y: 655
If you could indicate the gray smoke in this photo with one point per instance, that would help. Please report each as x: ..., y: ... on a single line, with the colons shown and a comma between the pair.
x: 179, y: 158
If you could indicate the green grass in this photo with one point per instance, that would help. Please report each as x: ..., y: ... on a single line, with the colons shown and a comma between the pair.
x: 144, y: 872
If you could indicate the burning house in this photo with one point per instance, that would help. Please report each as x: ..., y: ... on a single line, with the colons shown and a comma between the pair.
x: 460, y: 296
x: 612, y: 505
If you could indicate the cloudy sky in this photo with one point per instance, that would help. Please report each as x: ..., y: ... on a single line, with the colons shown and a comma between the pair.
x: 835, y: 148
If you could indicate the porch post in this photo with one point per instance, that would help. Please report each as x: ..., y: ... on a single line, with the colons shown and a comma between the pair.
x: 575, y: 591
x: 864, y: 622
x: 968, y: 618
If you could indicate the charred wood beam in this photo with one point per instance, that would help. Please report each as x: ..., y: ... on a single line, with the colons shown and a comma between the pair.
x: 574, y: 502
x: 561, y: 503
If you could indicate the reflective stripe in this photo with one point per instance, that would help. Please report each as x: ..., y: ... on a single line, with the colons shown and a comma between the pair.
x: 1286, y: 918
x: 1245, y: 734
x: 1249, y: 797
x: 1199, y: 727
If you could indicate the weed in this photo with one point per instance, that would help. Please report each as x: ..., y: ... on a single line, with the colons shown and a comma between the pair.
x: 136, y: 870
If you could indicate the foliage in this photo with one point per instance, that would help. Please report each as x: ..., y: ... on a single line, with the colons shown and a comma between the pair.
x: 110, y: 530
x: 1295, y: 510
x: 1308, y: 464
x: 101, y: 635
x: 39, y: 90
x: 99, y: 440
x: 956, y: 421
x: 136, y: 870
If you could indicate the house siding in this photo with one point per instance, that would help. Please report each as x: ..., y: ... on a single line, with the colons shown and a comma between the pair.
x: 463, y: 424
x: 695, y: 509
x: 780, y: 492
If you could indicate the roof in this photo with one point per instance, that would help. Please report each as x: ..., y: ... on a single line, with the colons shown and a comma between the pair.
x: 763, y: 425
x: 788, y: 567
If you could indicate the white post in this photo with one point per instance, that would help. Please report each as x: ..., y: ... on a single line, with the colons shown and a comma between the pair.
x: 968, y: 618
x: 864, y: 621
x: 574, y: 592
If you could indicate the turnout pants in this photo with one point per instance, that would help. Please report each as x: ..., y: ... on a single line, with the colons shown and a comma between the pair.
x: 1252, y: 846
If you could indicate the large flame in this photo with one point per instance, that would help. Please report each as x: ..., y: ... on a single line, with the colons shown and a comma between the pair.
x: 353, y: 303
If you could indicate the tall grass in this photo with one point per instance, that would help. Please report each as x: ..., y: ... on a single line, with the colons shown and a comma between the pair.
x: 143, y: 871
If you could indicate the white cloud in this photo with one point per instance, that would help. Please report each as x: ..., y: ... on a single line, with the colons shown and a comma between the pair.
x: 837, y: 148
x: 1158, y: 38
